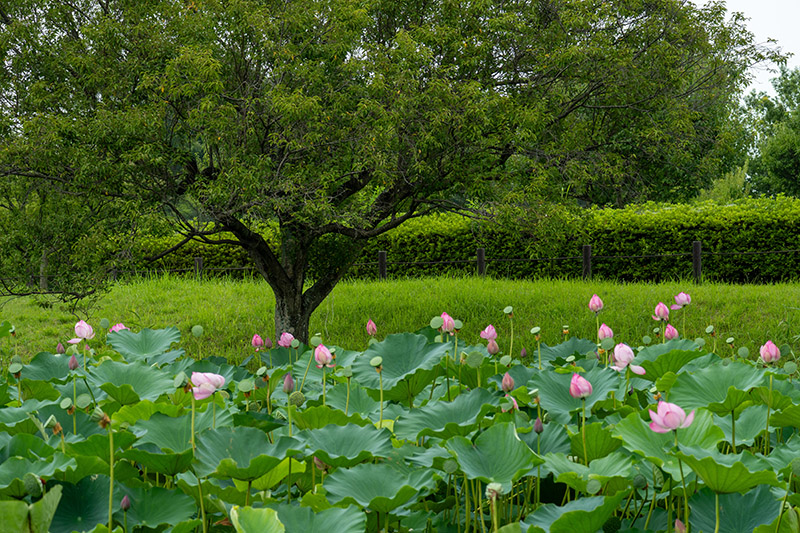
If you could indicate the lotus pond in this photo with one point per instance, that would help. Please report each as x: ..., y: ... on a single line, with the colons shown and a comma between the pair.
x: 424, y: 431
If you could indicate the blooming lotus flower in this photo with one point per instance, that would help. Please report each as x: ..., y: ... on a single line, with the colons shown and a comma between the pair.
x: 118, y: 327
x: 205, y: 384
x: 83, y: 331
x: 770, y: 353
x: 372, y: 329
x: 579, y: 387
x: 448, y: 324
x: 507, y: 384
x: 323, y: 356
x: 595, y: 304
x: 257, y: 342
x: 492, y: 347
x: 681, y: 299
x: 73, y: 363
x: 670, y: 332
x: 286, y: 340
x: 661, y: 312
x: 604, y: 332
x: 669, y: 418
x: 288, y: 384
x: 489, y: 333
x: 623, y: 356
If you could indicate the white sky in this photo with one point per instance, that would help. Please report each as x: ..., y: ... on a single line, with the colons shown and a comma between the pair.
x: 776, y: 19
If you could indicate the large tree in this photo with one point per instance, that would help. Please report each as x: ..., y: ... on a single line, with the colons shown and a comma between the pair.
x: 336, y: 120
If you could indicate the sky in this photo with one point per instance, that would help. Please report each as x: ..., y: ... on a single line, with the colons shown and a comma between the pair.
x: 776, y: 19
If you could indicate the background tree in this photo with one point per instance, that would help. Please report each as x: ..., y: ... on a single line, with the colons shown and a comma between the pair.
x: 335, y: 121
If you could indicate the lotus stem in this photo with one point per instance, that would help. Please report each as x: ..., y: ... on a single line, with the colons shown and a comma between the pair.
x: 716, y: 511
x: 511, y: 343
x: 466, y: 504
x: 74, y: 407
x: 289, y: 409
x: 249, y: 488
x: 783, y: 504
x: 733, y: 430
x: 202, y: 505
x: 111, y: 478
x: 194, y: 447
x: 323, y: 385
x: 303, y: 381
x: 213, y: 411
x: 683, y: 482
x: 347, y: 400
x: 539, y: 350
x: 583, y: 430
x: 769, y: 404
x: 380, y: 377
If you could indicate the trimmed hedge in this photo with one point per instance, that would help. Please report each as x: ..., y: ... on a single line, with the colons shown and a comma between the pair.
x: 734, y: 237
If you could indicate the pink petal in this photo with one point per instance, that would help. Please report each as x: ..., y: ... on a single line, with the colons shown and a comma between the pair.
x: 655, y: 417
x: 658, y: 429
x: 688, y: 421
x: 636, y: 369
x: 675, y: 307
x: 74, y: 341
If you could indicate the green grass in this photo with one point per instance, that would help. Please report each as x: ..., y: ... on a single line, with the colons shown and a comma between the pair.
x: 232, y: 311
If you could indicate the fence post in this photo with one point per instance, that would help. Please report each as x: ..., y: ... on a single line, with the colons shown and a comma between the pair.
x: 198, y: 267
x: 697, y: 263
x: 382, y: 264
x: 587, y: 261
x: 481, y: 256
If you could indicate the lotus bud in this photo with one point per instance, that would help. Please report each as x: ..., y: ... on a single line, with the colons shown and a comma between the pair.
x: 320, y: 465
x: 297, y: 398
x: 595, y: 304
x: 125, y: 504
x: 73, y: 363
x: 288, y: 384
x: 770, y: 352
x: 579, y: 387
x: 680, y: 527
x: 267, y: 343
x: 492, y: 347
x: 489, y: 333
x: 257, y: 342
x: 538, y: 427
x: 118, y: 327
x: 670, y: 333
x: 661, y: 312
x: 372, y: 329
x: 523, y: 353
x: 448, y: 324
x: 507, y: 383
x: 60, y: 349
x: 285, y: 340
x: 604, y: 332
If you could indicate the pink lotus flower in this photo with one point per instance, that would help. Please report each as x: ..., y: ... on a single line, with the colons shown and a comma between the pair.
x: 492, y: 347
x: 323, y: 356
x: 595, y: 304
x: 286, y: 340
x: 680, y: 527
x: 507, y: 384
x: 448, y: 324
x: 257, y: 342
x: 669, y: 418
x: 205, y: 384
x: 681, y: 299
x: 288, y: 384
x: 604, y: 332
x: 770, y: 353
x: 372, y: 329
x: 670, y: 333
x: 118, y: 327
x: 83, y: 331
x: 489, y: 333
x: 661, y: 312
x: 623, y: 356
x: 579, y: 387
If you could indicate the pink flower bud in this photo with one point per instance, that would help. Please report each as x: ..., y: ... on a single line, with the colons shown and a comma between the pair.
x: 323, y: 356
x: 681, y: 299
x: 288, y: 384
x: 489, y: 333
x: 83, y: 331
x: 538, y: 427
x: 770, y: 352
x: 670, y: 333
x: 372, y: 329
x: 448, y: 324
x: 492, y: 347
x: 680, y: 527
x: 669, y: 418
x: 73, y: 363
x: 507, y: 383
x: 579, y: 387
x: 661, y: 312
x: 204, y: 384
x: 117, y: 327
x: 267, y: 343
x: 604, y: 332
x: 286, y: 340
x: 257, y: 342
x: 595, y: 304
x: 60, y: 348
x: 523, y: 353
x: 125, y: 504
x: 319, y: 464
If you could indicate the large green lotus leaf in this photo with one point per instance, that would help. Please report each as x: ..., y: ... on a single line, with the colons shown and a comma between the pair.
x: 404, y: 355
x: 658, y: 361
x: 600, y: 442
x: 25, y: 445
x: 346, y: 446
x: 783, y: 394
x: 240, y: 453
x: 584, y: 515
x: 637, y: 437
x: 131, y: 414
x: 788, y: 417
x: 341, y: 520
x: 165, y: 463
x: 85, y: 425
x: 728, y: 473
x: 497, y: 456
x: 320, y: 416
x: 129, y: 383
x: 519, y: 373
x: 738, y: 513
x: 576, y: 475
x: 561, y: 351
x: 97, y: 446
x: 258, y: 419
x: 13, y: 470
x: 175, y: 434
x: 790, y: 523
x: 379, y: 487
x: 719, y: 388
x: 446, y: 419
x: 749, y: 423
x: 154, y: 506
x: 435, y: 456
x: 250, y: 520
x: 554, y: 391
x: 783, y: 454
x: 21, y: 517
x: 274, y: 476
x: 360, y: 402
x: 82, y: 506
x: 47, y: 367
x: 17, y: 419
x: 40, y: 390
x: 146, y: 345
x: 553, y: 439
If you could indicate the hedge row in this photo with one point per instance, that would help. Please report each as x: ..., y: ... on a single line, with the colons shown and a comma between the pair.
x: 734, y: 238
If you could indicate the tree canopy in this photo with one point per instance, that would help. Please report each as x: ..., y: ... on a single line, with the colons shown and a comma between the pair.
x: 335, y: 121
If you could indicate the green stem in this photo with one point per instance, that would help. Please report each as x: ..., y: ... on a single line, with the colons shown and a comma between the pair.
x: 111, y: 479
x: 769, y: 404
x: 511, y: 345
x: 466, y: 503
x: 323, y: 385
x: 74, y: 407
x: 733, y: 430
x: 716, y: 509
x: 249, y: 488
x: 347, y: 400
x: 193, y: 410
x: 213, y: 412
x: 380, y: 420
x: 202, y: 504
x: 289, y: 409
x: 783, y: 504
x: 493, y: 509
x: 583, y: 430
x: 303, y: 382
x: 683, y: 482
x: 539, y: 349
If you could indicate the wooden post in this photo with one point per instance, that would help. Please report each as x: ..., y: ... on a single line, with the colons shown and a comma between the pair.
x: 697, y: 262
x: 198, y: 267
x: 481, y: 255
x: 382, y: 264
x: 587, y: 261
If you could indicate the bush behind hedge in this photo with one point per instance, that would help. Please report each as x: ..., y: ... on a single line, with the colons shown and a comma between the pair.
x: 734, y: 237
